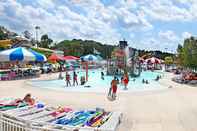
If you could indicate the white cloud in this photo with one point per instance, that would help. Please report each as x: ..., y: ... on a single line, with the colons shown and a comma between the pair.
x: 167, y: 10
x: 46, y: 3
x: 186, y: 35
x: 99, y: 22
x: 168, y: 36
x: 62, y: 24
x: 91, y: 19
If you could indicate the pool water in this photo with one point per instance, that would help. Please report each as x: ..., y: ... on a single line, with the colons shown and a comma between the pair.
x: 96, y: 84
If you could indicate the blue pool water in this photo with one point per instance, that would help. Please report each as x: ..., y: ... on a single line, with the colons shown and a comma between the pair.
x: 96, y: 84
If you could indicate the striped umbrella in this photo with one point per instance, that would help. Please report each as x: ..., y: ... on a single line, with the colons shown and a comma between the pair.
x: 89, y: 57
x: 39, y: 57
x: 153, y: 60
x: 21, y: 54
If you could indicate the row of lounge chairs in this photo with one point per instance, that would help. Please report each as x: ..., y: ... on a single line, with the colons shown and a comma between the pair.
x: 181, y: 80
x: 40, y: 117
x: 12, y: 75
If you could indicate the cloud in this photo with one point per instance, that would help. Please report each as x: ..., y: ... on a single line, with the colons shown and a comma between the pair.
x: 168, y: 10
x: 186, y: 35
x: 63, y: 23
x: 46, y: 4
x: 107, y: 23
x: 98, y: 22
x: 168, y: 35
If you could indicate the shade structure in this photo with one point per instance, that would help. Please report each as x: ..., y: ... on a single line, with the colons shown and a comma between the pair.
x: 89, y: 57
x: 141, y: 59
x: 153, y: 60
x: 20, y: 54
x: 119, y: 53
x: 71, y: 58
x: 55, y: 57
x: 39, y: 57
x: 99, y: 57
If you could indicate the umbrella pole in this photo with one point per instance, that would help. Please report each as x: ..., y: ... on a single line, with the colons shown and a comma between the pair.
x: 86, y: 71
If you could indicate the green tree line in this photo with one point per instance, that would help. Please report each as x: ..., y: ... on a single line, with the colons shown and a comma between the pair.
x: 187, y: 54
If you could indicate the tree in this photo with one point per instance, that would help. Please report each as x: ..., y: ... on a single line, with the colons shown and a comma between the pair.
x: 3, y: 35
x: 45, y: 41
x: 180, y: 56
x: 168, y: 60
x: 187, y: 54
x: 190, y: 52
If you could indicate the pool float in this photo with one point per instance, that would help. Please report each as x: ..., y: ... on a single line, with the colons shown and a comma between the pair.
x: 95, y: 118
x: 81, y: 118
x: 102, y: 120
x: 66, y: 119
x: 78, y: 119
x: 98, y: 120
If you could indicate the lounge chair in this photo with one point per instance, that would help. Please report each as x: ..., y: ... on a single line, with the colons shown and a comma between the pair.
x: 38, y: 114
x: 193, y: 82
x: 55, y: 114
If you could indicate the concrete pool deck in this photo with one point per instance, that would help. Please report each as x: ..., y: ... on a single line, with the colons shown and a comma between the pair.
x: 170, y: 109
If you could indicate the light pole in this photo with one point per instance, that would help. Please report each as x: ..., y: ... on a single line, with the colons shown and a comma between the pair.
x: 37, y: 28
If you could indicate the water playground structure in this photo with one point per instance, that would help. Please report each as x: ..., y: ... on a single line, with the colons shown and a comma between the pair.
x: 124, y: 59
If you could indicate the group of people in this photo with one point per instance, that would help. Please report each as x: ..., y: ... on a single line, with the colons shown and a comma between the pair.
x: 114, y: 85
x: 74, y: 78
x: 145, y: 81
x: 68, y: 78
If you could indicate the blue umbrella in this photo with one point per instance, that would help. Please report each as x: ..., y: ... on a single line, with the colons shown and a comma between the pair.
x: 39, y: 57
x: 21, y: 54
x: 99, y: 57
x: 89, y: 57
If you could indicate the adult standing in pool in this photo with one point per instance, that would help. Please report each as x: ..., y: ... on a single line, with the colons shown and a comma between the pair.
x: 67, y: 79
x: 75, y: 78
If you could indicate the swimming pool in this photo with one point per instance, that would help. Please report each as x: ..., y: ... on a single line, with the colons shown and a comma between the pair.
x: 96, y: 84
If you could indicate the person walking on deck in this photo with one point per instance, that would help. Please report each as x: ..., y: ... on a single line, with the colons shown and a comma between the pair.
x: 68, y: 79
x: 114, y: 88
x: 75, y: 78
x: 126, y: 81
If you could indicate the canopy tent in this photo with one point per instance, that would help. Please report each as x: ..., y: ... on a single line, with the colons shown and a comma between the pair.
x: 99, y: 57
x: 55, y: 57
x: 153, y: 60
x: 20, y: 54
x: 39, y: 57
x: 89, y: 57
x: 71, y: 58
x: 141, y: 59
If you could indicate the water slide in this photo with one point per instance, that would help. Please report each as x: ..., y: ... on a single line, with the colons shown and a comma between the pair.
x: 6, y: 43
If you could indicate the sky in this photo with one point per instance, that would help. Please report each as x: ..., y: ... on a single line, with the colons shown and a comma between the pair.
x: 145, y: 24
